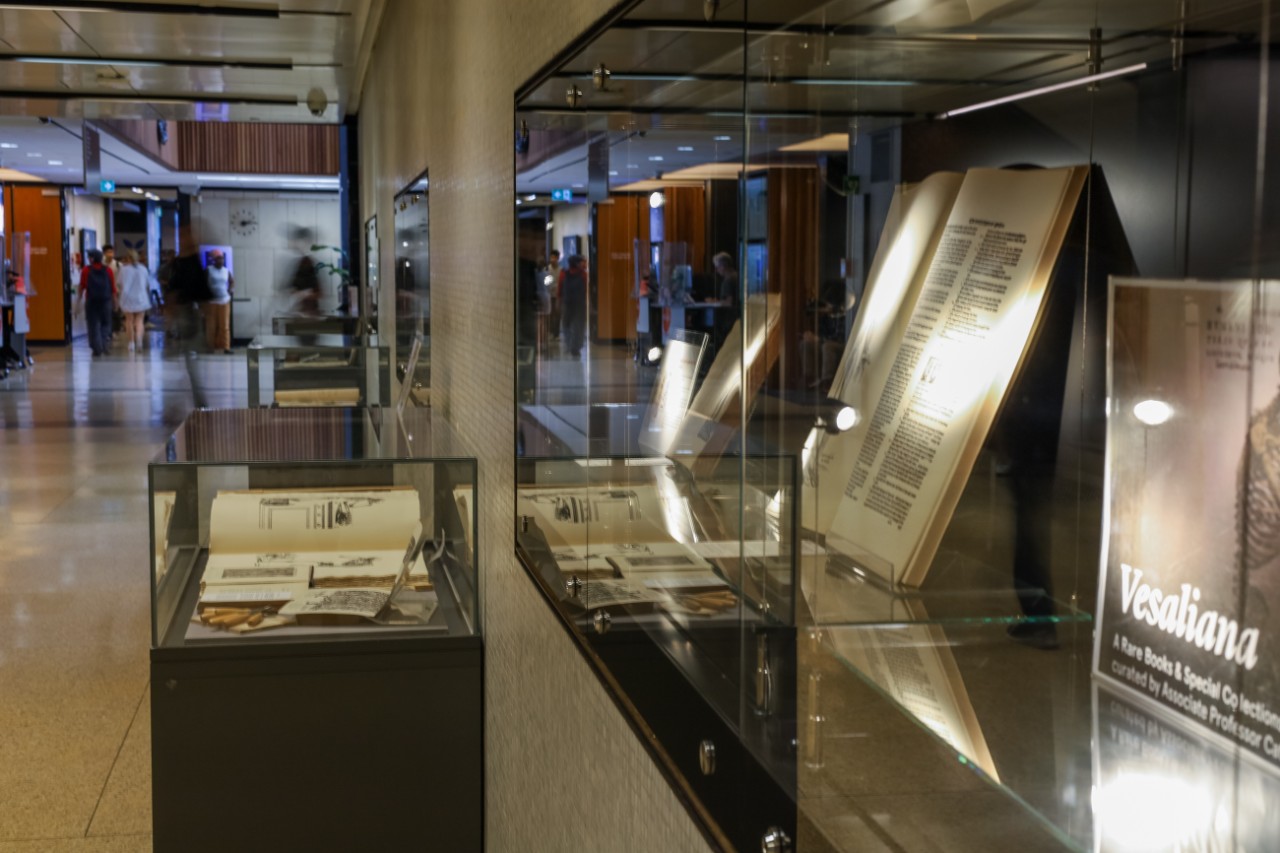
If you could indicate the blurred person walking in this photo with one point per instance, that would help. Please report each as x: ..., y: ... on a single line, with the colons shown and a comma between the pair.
x: 97, y: 300
x: 135, y: 299
x: 573, y: 305
x: 217, y: 309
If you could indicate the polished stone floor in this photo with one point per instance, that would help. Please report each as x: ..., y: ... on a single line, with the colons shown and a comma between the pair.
x: 75, y: 436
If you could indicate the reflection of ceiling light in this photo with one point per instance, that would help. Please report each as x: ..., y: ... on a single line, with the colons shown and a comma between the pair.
x: 632, y: 166
x: 137, y: 190
x: 405, y: 244
x: 657, y: 200
x: 829, y: 142
x: 55, y: 162
x: 723, y: 138
x: 34, y: 154
x: 1153, y: 412
x: 8, y: 145
x: 655, y: 353
x: 1044, y: 90
x: 519, y: 202
x: 1147, y: 811
x: 613, y: 174
x: 684, y: 147
x: 656, y: 158
x: 846, y: 418
x: 578, y: 186
x: 821, y: 81
x: 531, y: 198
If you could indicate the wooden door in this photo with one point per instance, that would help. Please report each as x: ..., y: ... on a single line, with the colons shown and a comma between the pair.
x: 620, y: 223
x: 38, y: 209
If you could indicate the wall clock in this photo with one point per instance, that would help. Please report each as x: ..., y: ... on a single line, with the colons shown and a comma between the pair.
x: 244, y: 222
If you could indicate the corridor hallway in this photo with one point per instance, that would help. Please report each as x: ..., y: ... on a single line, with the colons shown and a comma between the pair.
x: 76, y: 434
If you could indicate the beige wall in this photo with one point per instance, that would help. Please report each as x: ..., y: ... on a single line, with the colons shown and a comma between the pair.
x: 563, y: 770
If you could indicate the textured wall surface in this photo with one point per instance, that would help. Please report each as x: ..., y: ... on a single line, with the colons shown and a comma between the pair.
x: 564, y: 771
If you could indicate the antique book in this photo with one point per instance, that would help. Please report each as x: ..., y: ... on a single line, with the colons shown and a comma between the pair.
x: 912, y: 664
x: 891, y: 643
x: 952, y: 305
x: 280, y: 548
x: 317, y: 397
x: 162, y: 503
x: 672, y: 393
x: 728, y: 391
x: 358, y: 604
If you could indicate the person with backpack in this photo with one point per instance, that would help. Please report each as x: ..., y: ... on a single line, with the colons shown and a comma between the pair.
x: 97, y: 299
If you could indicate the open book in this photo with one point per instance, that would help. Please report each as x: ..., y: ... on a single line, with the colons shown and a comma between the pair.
x: 269, y: 548
x: 952, y: 303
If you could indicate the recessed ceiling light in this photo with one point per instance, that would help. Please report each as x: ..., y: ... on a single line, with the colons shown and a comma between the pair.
x: 34, y: 154
x: 8, y: 145
x: 656, y: 158
x: 578, y: 186
x: 632, y: 166
x: 613, y: 174
x: 55, y: 162
x: 723, y: 138
x: 685, y: 148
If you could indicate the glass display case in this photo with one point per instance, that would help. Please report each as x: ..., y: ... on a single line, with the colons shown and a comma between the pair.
x: 994, y: 280
x: 314, y: 584
x: 317, y: 370
x: 333, y: 324
x: 413, y: 286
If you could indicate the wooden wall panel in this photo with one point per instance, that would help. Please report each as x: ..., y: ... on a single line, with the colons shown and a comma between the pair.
x: 793, y: 255
x: 620, y: 221
x: 685, y: 221
x: 277, y: 149
x: 142, y: 135
x: 39, y: 210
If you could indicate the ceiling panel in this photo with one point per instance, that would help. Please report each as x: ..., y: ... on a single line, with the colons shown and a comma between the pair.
x: 314, y: 40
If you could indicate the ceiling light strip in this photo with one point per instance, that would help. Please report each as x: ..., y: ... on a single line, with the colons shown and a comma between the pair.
x: 127, y: 7
x: 180, y: 100
x: 140, y: 62
x: 1044, y: 90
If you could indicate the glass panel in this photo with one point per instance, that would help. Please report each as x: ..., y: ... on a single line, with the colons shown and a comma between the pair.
x: 279, y: 526
x: 413, y: 286
x: 946, y: 191
x: 368, y: 306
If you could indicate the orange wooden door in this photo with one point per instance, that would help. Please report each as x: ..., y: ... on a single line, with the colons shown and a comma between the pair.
x: 620, y: 222
x: 38, y: 209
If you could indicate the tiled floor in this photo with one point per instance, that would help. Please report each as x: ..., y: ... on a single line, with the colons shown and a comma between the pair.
x: 75, y: 436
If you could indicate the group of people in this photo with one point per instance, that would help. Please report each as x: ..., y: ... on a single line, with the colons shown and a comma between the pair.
x: 562, y: 300
x: 108, y: 285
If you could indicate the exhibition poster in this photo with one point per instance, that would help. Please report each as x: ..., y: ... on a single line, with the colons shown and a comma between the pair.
x: 1191, y: 557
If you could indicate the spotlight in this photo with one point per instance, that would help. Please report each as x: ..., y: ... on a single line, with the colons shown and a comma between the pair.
x: 655, y: 354
x: 1153, y: 412
x: 846, y: 419
x: 657, y: 200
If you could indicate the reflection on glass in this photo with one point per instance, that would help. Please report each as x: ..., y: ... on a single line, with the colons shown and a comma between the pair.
x: 868, y: 246
x: 413, y: 286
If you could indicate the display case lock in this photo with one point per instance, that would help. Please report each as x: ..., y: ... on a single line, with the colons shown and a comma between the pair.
x: 707, y: 757
x: 775, y: 840
x: 764, y: 677
x: 602, y: 622
x: 573, y: 586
